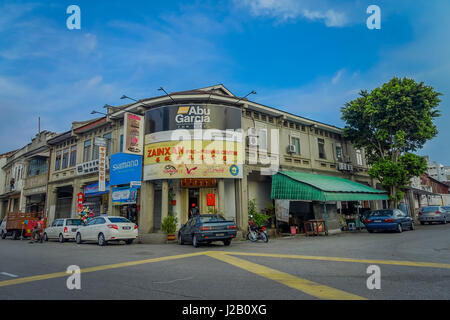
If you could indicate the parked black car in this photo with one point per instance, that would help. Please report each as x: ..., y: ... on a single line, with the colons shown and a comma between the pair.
x: 207, y: 228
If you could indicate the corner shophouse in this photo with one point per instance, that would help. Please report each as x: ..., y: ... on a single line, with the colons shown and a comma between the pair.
x: 319, y: 150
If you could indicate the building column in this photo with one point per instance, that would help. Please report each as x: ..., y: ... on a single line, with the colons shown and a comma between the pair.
x: 52, y: 196
x: 242, y: 216
x: 164, y: 200
x: 221, y: 189
x: 146, y: 215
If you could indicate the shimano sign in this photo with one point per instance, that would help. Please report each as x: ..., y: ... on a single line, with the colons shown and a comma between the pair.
x: 125, y: 165
x: 125, y: 168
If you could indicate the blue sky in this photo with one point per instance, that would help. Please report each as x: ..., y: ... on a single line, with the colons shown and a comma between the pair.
x: 307, y: 57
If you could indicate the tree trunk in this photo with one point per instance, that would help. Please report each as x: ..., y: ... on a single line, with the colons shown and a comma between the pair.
x: 394, y: 200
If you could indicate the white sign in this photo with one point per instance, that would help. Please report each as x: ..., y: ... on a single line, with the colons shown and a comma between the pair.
x: 282, y: 210
x: 101, y: 142
x: 135, y: 184
x: 89, y: 167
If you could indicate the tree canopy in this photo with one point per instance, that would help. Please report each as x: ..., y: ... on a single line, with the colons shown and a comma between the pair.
x: 390, y: 122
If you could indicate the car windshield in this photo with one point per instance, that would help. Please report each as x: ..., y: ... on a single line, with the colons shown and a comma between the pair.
x: 211, y: 218
x: 446, y: 208
x: 74, y: 222
x: 381, y: 213
x: 430, y: 209
x: 119, y: 220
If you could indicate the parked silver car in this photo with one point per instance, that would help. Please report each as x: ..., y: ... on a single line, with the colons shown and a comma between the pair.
x: 432, y: 214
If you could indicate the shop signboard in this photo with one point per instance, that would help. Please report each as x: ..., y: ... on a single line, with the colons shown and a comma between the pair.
x: 192, y: 116
x: 124, y: 196
x: 282, y: 210
x: 174, y: 148
x: 90, y: 167
x: 93, y: 190
x: 101, y: 168
x: 125, y: 168
x: 133, y: 136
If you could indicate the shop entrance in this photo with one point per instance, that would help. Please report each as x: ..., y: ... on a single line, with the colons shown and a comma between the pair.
x: 194, y: 197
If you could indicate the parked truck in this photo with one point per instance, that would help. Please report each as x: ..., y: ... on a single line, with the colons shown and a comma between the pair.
x: 19, y: 224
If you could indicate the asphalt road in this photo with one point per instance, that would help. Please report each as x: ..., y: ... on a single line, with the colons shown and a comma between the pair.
x: 413, y: 265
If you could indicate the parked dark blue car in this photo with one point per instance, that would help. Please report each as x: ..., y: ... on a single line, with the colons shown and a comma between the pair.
x: 388, y: 220
x: 207, y: 228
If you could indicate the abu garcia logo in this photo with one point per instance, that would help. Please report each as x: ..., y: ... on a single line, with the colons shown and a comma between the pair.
x: 192, y: 114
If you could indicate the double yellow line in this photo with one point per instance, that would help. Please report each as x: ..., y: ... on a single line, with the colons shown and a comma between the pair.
x: 309, y: 287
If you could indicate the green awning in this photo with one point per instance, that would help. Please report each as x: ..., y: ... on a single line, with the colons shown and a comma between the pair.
x: 315, y: 187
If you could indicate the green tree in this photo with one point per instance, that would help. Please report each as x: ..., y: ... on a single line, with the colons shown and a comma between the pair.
x: 389, y: 123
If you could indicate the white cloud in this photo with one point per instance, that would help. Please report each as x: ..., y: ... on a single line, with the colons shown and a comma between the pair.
x: 284, y: 10
x: 337, y: 77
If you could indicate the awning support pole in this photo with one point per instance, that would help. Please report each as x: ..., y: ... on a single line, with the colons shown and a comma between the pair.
x: 325, y: 214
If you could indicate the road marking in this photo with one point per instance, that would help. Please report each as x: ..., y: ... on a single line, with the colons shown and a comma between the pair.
x: 8, y: 274
x: 172, y: 281
x: 338, y: 259
x: 312, y: 288
x: 93, y: 269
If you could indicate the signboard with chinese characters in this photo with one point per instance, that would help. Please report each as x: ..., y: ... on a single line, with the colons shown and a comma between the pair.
x: 89, y: 167
x: 133, y: 136
x: 101, y: 168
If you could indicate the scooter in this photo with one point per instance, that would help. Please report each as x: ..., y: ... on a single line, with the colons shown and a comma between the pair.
x: 256, y: 233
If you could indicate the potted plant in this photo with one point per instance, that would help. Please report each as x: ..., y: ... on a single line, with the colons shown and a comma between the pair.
x: 169, y: 226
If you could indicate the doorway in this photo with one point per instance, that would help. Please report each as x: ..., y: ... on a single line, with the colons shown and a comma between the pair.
x: 194, y: 197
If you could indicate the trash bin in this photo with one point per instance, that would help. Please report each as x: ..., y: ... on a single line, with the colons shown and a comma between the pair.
x: 293, y: 230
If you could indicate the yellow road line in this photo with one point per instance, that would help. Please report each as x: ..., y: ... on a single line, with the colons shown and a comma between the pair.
x: 312, y: 288
x: 93, y: 269
x: 338, y: 259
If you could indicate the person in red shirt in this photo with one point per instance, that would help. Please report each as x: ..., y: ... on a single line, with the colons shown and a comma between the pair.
x: 37, y: 231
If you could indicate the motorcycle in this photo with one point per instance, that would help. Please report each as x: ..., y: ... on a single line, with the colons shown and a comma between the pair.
x: 256, y: 233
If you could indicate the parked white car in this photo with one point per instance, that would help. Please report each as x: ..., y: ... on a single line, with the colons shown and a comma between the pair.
x: 62, y: 229
x: 108, y: 228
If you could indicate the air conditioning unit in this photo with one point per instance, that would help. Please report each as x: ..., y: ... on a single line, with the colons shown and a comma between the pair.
x: 252, y: 132
x: 252, y: 141
x: 342, y: 166
x: 291, y: 148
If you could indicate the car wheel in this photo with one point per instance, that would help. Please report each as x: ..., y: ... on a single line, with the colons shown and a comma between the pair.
x: 101, y: 240
x: 180, y: 239
x: 399, y: 228
x: 61, y: 238
x: 195, y: 241
x: 422, y: 223
x: 129, y: 241
x: 412, y: 226
x: 78, y: 238
x: 227, y: 242
x: 3, y: 234
x: 370, y: 231
x: 45, y: 237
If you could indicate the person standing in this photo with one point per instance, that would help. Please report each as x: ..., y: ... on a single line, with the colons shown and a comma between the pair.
x: 194, y: 211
